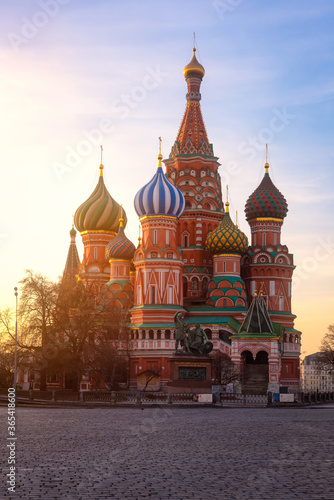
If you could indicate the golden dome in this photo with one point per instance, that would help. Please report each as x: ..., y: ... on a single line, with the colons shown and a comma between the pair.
x: 227, y: 238
x: 194, y: 68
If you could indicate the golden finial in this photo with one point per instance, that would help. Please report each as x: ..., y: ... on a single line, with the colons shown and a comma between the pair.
x: 101, y: 164
x: 261, y: 291
x: 139, y: 238
x: 266, y: 165
x: 160, y: 155
x: 255, y: 293
x: 194, y: 41
x: 121, y: 220
x: 227, y: 203
x: 236, y: 219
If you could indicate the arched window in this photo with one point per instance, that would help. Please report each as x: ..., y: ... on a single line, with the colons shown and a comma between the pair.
x: 151, y: 334
x: 152, y: 294
x: 158, y: 334
x: 167, y: 334
x: 208, y: 333
x: 205, y: 283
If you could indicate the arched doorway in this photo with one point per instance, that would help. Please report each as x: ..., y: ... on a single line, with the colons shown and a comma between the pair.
x: 255, y: 373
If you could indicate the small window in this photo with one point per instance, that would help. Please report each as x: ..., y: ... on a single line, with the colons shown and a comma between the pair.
x: 95, y: 253
x: 224, y: 267
x: 264, y: 239
x: 155, y: 237
x: 194, y: 283
x: 153, y: 295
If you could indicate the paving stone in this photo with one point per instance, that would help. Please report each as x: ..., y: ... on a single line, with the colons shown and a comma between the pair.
x: 159, y: 453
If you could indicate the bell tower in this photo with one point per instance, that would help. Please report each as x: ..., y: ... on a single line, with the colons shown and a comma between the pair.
x: 193, y: 168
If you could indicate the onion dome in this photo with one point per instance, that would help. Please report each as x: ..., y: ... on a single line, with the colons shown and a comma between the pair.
x: 120, y: 247
x: 266, y: 201
x: 194, y: 68
x: 100, y: 212
x: 227, y: 237
x: 159, y: 196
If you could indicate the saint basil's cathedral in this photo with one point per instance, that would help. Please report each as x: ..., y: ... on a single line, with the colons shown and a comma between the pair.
x: 193, y: 259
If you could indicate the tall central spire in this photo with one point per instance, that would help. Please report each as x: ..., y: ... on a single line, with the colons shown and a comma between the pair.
x: 192, y: 137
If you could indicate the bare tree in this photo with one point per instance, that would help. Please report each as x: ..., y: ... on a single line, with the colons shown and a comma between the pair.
x: 37, y: 302
x: 7, y: 347
x: 325, y: 357
x: 69, y: 330
x: 223, y: 367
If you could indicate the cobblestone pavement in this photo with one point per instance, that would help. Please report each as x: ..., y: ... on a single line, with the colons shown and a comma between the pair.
x: 160, y: 453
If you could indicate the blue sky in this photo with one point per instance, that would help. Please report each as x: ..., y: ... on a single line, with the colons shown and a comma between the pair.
x: 69, y: 67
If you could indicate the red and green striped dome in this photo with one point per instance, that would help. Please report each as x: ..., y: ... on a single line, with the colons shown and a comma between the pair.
x: 266, y: 201
x: 100, y: 212
x: 120, y: 247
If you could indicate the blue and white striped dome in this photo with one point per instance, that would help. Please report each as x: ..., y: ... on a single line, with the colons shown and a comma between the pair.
x: 159, y: 197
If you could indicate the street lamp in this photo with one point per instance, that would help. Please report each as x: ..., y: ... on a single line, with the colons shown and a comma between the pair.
x: 15, y: 362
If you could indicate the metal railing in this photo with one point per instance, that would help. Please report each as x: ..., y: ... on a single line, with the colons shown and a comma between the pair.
x: 128, y: 398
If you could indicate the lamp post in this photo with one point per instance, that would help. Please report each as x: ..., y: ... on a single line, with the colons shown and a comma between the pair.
x: 15, y: 362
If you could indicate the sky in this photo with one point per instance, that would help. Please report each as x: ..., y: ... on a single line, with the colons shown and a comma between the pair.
x: 76, y: 74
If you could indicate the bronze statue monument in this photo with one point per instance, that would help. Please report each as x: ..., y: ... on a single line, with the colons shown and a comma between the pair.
x: 195, y: 343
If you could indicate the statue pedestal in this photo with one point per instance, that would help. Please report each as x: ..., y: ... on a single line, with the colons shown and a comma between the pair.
x: 190, y: 374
